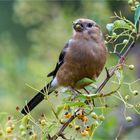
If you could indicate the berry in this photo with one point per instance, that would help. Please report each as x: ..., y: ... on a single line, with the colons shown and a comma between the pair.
x: 114, y: 34
x: 101, y: 117
x: 130, y: 2
x: 80, y: 114
x: 135, y: 92
x: 105, y: 42
x: 84, y: 133
x: 131, y: 67
x: 85, y: 119
x: 62, y: 121
x: 67, y: 115
x: 95, y: 124
x: 87, y: 128
x: 77, y: 127
x: 22, y: 127
x: 70, y: 125
x: 133, y: 8
x: 129, y: 119
x: 43, y: 122
x: 125, y: 41
x: 8, y: 129
x: 94, y: 115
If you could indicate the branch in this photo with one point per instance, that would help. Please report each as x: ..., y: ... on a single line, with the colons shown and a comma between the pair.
x: 64, y: 126
x: 111, y: 73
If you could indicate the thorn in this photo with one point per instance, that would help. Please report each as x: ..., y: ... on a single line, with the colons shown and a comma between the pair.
x: 107, y: 72
x: 86, y: 91
x: 48, y: 137
x: 93, y: 102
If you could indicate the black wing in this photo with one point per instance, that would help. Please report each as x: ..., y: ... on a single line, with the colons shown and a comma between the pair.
x: 60, y: 61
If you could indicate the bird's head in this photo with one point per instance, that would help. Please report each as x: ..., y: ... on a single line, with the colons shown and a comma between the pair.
x: 85, y: 27
x: 80, y: 25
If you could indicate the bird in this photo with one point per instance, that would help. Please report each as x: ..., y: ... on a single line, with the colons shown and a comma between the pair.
x: 83, y: 56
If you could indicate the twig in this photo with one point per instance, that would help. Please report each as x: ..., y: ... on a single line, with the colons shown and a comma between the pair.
x: 111, y: 73
x: 60, y: 132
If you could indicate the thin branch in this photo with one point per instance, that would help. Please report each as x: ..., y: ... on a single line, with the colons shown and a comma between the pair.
x: 111, y: 73
x: 64, y: 126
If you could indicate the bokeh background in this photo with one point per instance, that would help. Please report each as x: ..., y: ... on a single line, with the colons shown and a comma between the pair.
x: 32, y: 34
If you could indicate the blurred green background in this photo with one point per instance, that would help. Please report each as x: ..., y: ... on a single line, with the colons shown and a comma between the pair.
x: 32, y: 34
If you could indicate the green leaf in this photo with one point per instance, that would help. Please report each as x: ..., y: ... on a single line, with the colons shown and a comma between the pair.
x: 137, y: 15
x: 51, y: 127
x: 109, y: 27
x: 91, y: 96
x: 44, y: 135
x: 59, y: 109
x: 77, y: 104
x: 121, y: 24
x: 84, y: 82
x: 91, y: 131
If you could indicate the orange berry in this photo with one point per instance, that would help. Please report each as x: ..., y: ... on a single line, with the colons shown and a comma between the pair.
x: 87, y: 128
x: 67, y: 115
x: 84, y: 133
x: 85, y: 119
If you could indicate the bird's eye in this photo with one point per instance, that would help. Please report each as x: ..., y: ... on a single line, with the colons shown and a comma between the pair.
x: 89, y: 25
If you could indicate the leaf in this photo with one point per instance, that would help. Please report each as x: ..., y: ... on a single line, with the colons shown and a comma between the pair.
x: 109, y: 27
x: 44, y: 135
x: 121, y: 24
x: 77, y: 104
x: 59, y: 109
x: 91, y: 132
x: 91, y: 96
x: 137, y: 15
x: 51, y: 127
x: 84, y: 82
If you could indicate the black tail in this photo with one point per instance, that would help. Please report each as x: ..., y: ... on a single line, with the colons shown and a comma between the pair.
x: 36, y: 100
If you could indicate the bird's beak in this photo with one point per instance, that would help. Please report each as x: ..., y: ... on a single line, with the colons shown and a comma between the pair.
x: 78, y: 27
